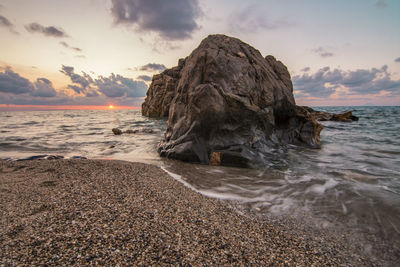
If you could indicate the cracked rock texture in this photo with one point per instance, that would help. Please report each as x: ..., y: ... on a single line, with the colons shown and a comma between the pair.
x: 161, y: 92
x: 226, y: 98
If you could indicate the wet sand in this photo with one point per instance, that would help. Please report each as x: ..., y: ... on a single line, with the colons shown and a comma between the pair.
x: 66, y: 212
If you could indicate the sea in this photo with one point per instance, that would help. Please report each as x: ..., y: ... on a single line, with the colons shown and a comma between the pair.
x: 350, y: 186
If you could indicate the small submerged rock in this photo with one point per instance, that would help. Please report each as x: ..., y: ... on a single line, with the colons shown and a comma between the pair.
x: 147, y: 130
x: 346, y: 116
x: 40, y: 157
x: 78, y: 157
x: 33, y: 157
x: 116, y: 131
x: 131, y: 131
x: 52, y: 157
x: 215, y: 158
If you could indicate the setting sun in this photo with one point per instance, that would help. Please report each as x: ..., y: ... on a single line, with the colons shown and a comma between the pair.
x: 110, y: 106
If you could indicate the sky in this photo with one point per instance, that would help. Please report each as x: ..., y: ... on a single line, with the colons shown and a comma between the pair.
x: 96, y: 53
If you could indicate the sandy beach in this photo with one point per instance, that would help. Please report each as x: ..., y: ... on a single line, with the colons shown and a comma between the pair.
x: 80, y: 212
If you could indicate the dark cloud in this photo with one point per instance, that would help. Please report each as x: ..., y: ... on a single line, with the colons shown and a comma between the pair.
x: 173, y: 20
x: 118, y: 86
x: 326, y: 54
x: 314, y: 84
x: 253, y: 19
x: 15, y: 89
x: 78, y: 89
x: 67, y: 70
x: 145, y: 78
x: 381, y: 4
x: 397, y: 60
x: 82, y: 82
x: 92, y: 93
x: 112, y: 86
x: 326, y: 82
x: 306, y: 69
x: 66, y: 45
x: 12, y: 82
x: 322, y: 52
x: 44, y: 88
x: 26, y: 99
x: 63, y: 99
x: 47, y: 31
x: 4, y: 22
x: 152, y: 67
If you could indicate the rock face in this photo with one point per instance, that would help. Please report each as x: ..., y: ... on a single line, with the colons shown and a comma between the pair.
x: 228, y: 104
x: 161, y: 92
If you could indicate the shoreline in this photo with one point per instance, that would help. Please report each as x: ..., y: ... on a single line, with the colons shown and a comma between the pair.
x: 83, y: 211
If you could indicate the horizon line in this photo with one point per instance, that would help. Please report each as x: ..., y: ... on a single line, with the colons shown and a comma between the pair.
x: 13, y: 107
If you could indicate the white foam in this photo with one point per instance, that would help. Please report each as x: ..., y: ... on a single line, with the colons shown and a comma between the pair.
x: 320, y: 189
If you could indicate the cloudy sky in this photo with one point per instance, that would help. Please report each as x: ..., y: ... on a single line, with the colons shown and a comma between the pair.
x: 102, y: 52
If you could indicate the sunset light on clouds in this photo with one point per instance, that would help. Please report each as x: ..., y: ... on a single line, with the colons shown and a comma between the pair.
x: 338, y: 52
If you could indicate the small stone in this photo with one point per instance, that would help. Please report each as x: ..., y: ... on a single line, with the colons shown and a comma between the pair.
x: 116, y: 131
x: 240, y: 54
x: 215, y: 158
x: 131, y: 131
x: 53, y: 157
x: 78, y: 157
x: 148, y: 130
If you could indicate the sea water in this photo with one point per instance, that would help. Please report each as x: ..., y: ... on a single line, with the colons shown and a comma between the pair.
x: 352, y: 183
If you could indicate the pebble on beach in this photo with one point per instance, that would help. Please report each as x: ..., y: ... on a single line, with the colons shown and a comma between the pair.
x: 80, y: 212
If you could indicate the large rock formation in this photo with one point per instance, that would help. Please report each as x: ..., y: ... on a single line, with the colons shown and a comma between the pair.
x: 161, y: 92
x: 227, y: 103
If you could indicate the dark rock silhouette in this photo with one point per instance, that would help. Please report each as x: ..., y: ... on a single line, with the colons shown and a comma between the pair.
x: 116, y: 131
x: 326, y: 116
x: 228, y: 105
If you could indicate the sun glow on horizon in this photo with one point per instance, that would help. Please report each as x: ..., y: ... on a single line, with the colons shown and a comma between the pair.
x: 110, y: 106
